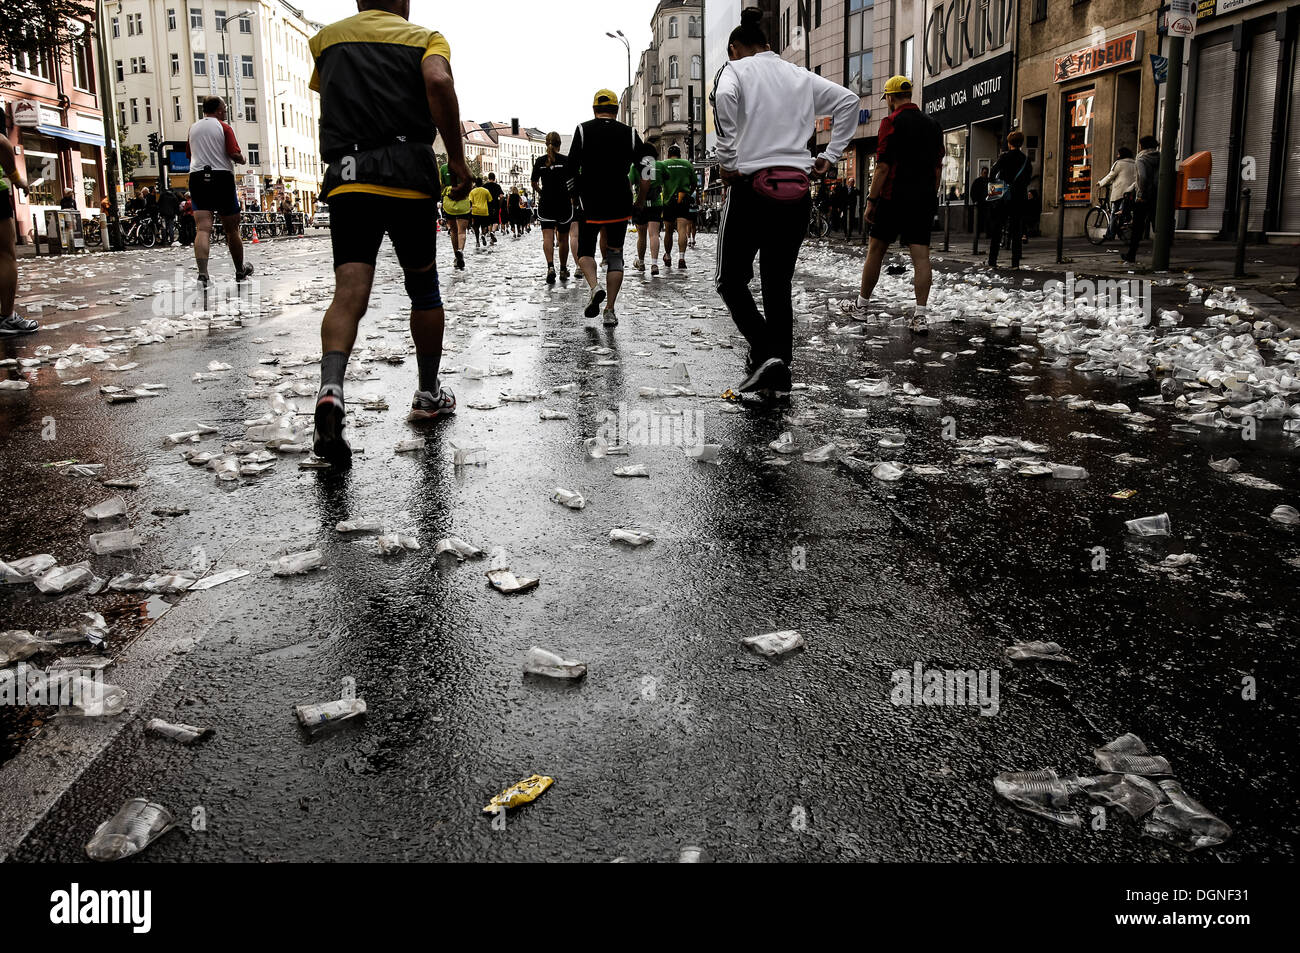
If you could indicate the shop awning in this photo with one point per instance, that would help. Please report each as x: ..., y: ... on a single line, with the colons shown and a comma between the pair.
x: 61, y: 132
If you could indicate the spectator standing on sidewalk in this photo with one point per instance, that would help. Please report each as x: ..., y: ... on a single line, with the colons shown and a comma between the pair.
x: 168, y: 207
x: 852, y: 199
x: 1144, y: 194
x: 11, y: 177
x: 1008, y: 188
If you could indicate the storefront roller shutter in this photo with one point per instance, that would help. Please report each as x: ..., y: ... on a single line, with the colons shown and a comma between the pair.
x: 1210, y: 127
x: 1260, y: 93
x: 1290, y: 220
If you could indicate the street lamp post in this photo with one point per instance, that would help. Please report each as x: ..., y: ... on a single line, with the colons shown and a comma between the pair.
x: 224, y: 58
x: 627, y: 109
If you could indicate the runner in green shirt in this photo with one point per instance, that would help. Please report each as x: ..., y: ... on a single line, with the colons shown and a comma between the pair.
x: 678, y: 187
x: 648, y: 217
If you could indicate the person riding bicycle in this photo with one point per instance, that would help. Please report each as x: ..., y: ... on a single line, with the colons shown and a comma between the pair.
x: 1123, y: 175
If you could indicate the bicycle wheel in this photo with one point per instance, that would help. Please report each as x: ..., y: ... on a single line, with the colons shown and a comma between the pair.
x: 1096, y: 224
x: 147, y: 237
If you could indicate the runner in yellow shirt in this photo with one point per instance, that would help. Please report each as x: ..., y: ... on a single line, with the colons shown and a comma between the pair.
x: 480, y: 200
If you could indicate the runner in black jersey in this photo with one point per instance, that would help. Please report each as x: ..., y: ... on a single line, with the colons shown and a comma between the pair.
x: 603, y: 149
x: 494, y: 209
x: 554, y: 207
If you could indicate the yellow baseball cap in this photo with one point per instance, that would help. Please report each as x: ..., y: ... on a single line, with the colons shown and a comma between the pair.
x: 897, y: 84
x: 605, y: 97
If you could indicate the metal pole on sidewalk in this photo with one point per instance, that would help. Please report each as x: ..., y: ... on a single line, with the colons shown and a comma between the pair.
x: 1163, y: 234
x: 979, y: 221
x: 947, y: 222
x: 1243, y: 216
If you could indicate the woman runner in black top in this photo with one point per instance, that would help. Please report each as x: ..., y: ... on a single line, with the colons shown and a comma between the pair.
x: 554, y: 207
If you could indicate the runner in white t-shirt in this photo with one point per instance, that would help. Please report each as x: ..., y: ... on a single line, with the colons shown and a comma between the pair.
x: 214, y: 152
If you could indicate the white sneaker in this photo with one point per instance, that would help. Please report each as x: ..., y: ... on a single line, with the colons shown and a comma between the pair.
x: 850, y: 308
x: 920, y: 321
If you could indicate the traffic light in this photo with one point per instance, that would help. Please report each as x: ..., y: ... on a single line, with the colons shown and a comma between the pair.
x: 154, y: 141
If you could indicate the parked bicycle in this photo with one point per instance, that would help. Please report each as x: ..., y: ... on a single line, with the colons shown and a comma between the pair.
x: 1102, y: 224
x: 92, y: 231
x: 142, y: 231
x: 819, y: 223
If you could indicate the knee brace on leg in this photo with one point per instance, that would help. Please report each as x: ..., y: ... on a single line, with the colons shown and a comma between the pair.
x: 615, y: 259
x: 422, y: 288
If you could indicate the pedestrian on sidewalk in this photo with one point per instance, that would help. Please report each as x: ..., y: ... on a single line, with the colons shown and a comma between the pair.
x: 903, y: 199
x: 603, y: 149
x: 169, y: 207
x: 1144, y: 194
x: 386, y: 90
x: 765, y: 110
x: 11, y: 177
x: 1122, y: 179
x: 1007, y: 195
x: 214, y: 152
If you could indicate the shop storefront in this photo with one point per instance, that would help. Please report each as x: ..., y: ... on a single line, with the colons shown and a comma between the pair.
x: 973, y: 108
x: 1080, y: 103
x: 1242, y: 105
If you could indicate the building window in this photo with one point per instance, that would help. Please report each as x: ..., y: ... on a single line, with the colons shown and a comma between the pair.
x: 254, y: 154
x: 135, y: 110
x: 130, y: 25
x: 117, y: 28
x: 694, y: 27
x: 934, y: 42
x: 675, y: 110
x: 120, y: 73
x: 246, y: 66
x: 223, y: 64
x: 817, y: 13
x: 979, y: 38
x: 250, y: 110
x: 1038, y: 12
x: 198, y: 108
x: 785, y: 29
x: 200, y: 64
x: 176, y: 109
x: 135, y: 64
x: 697, y: 67
x: 998, y: 22
x: 858, y: 43
x: 697, y: 108
x: 81, y: 60
x: 148, y: 110
x: 283, y: 114
x: 245, y: 25
x: 286, y: 158
x: 139, y: 23
x: 121, y: 114
x: 220, y: 17
x: 906, y: 50
x: 143, y: 67
x: 196, y: 18
x: 674, y: 73
x: 672, y: 28
x: 176, y: 64
x: 171, y: 19
x: 654, y: 115
x: 654, y: 74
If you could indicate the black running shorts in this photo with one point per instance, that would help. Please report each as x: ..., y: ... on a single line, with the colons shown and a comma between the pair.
x: 213, y: 190
x: 908, y: 220
x: 589, y: 237
x: 359, y: 221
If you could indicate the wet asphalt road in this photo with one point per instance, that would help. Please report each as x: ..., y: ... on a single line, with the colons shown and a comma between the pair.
x: 678, y: 735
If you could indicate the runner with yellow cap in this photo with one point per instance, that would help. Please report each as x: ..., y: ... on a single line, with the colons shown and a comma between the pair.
x: 603, y: 149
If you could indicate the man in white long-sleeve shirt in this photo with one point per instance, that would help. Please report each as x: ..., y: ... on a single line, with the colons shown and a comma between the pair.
x: 765, y: 109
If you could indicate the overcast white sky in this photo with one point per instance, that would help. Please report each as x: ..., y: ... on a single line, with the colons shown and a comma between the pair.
x: 539, y: 60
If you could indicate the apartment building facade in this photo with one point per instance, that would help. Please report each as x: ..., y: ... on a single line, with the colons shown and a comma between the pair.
x: 57, y: 127
x: 167, y: 56
x: 667, y: 93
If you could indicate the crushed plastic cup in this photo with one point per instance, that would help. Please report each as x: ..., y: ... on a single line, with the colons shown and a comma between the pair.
x: 95, y: 698
x: 1133, y: 794
x: 295, y: 564
x: 1150, y: 525
x: 108, y: 509
x: 1041, y: 793
x: 468, y: 456
x: 691, y: 854
x: 1185, y: 822
x: 504, y: 581
x: 887, y: 472
x: 1128, y: 755
x: 458, y: 548
x: 1036, y: 652
x: 410, y: 445
x: 1286, y: 514
x: 1061, y: 471
x: 1226, y: 465
x: 27, y: 569
x: 823, y: 454
x: 324, y: 713
x: 117, y: 541
x: 636, y: 470
x: 569, y: 498
x: 549, y: 665
x: 61, y: 579
x: 527, y: 790
x: 136, y: 825
x: 217, y: 579
x: 185, y: 734
x: 392, y: 543
x: 631, y: 537
x: 360, y: 526
x: 783, y: 444
x: 1179, y: 560
x: 19, y: 644
x: 773, y: 643
x: 704, y: 452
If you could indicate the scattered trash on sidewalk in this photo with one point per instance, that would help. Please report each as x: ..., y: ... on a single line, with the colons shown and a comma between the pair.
x: 1128, y: 755
x: 458, y: 548
x: 325, y: 713
x: 295, y: 564
x: 569, y: 498
x: 1040, y: 793
x: 108, y: 509
x: 185, y: 734
x: 136, y: 825
x: 1036, y: 652
x: 1286, y: 514
x: 1150, y: 525
x: 548, y: 664
x: 504, y: 581
x: 773, y: 643
x: 211, y: 582
x: 631, y: 537
x: 116, y: 541
x: 527, y: 790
